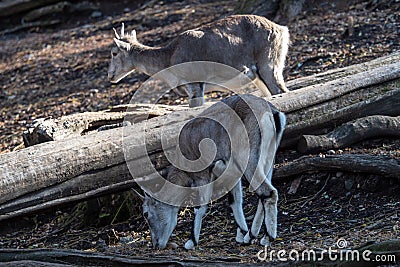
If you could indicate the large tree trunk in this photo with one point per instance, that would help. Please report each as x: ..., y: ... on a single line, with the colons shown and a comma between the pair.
x: 73, y: 169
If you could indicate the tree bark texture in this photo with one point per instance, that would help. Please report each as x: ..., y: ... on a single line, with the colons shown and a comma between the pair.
x: 387, y: 104
x: 69, y: 257
x: 335, y: 74
x: 358, y: 163
x: 11, y: 7
x: 48, y: 129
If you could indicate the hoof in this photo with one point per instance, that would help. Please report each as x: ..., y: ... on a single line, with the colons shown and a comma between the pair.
x: 239, y: 236
x: 189, y: 245
x: 247, y: 239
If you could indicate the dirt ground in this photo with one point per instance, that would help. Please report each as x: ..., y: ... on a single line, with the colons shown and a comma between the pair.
x: 62, y: 69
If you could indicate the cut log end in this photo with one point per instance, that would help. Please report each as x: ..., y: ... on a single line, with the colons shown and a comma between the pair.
x: 314, y: 143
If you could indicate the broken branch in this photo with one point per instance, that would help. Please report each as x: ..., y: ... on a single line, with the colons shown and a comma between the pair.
x: 350, y: 133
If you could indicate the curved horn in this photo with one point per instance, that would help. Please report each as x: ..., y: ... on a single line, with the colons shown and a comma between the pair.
x: 116, y: 34
x: 123, y: 30
x: 133, y: 34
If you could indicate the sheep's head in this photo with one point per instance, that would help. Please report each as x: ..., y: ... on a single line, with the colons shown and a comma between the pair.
x: 161, y: 218
x: 122, y: 63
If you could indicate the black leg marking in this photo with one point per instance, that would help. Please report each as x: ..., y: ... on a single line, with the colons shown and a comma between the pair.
x: 192, y: 234
x: 230, y: 198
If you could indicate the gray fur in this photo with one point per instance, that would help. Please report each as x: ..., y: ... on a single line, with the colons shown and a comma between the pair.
x: 244, y: 42
x: 263, y: 140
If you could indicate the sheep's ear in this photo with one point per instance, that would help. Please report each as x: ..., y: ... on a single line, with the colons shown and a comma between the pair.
x: 138, y: 194
x: 122, y: 45
x: 133, y: 34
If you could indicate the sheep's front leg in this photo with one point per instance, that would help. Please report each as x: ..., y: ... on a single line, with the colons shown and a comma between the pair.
x: 195, y: 92
x: 196, y: 227
x: 235, y: 198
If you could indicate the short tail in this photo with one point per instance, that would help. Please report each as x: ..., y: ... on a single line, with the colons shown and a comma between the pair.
x: 280, y: 123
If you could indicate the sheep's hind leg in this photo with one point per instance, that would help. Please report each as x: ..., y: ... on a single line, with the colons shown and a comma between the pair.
x: 256, y: 224
x: 267, y: 210
x: 270, y: 219
x: 235, y: 197
x: 266, y: 214
x: 195, y: 92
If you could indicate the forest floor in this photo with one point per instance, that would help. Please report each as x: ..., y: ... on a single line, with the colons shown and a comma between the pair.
x: 62, y: 69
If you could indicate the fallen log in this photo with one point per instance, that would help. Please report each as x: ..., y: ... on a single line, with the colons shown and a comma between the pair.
x: 343, y: 101
x: 11, y: 7
x: 350, y: 133
x: 60, y: 7
x: 55, y: 162
x: 335, y: 74
x: 311, y: 110
x: 48, y: 129
x: 70, y: 257
x: 54, y: 173
x: 357, y: 163
x: 299, y: 99
x: 31, y: 25
x: 316, y: 125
